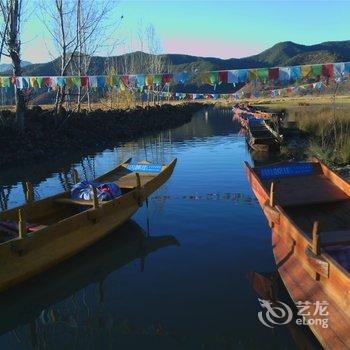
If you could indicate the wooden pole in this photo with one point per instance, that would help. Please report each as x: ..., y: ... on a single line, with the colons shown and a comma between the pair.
x: 94, y: 197
x: 22, y: 227
x: 315, y: 238
x: 29, y: 192
x: 138, y: 180
x: 272, y: 194
x: 316, y: 244
x: 138, y: 184
x: 75, y: 176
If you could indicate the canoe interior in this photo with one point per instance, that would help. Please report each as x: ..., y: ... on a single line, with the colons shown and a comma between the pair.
x: 50, y: 210
x: 318, y: 196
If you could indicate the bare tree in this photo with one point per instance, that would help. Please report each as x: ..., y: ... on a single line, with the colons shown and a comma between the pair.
x: 93, y: 31
x: 11, y: 11
x: 77, y: 29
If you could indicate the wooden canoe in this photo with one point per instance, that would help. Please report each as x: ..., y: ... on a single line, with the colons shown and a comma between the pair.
x: 308, y: 208
x: 68, y: 226
x: 244, y: 114
x: 261, y: 137
x: 25, y: 302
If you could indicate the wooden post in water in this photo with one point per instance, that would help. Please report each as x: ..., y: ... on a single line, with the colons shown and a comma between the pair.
x: 22, y: 226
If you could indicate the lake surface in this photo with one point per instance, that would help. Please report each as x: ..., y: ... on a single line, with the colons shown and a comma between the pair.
x: 176, y: 277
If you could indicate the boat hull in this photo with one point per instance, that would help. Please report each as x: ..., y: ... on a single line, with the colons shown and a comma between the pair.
x: 23, y: 258
x: 297, y: 270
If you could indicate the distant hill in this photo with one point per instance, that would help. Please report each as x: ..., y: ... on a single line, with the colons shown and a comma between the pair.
x: 281, y: 54
x: 4, y: 67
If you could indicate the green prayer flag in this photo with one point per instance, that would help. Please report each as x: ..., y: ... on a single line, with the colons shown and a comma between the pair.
x: 263, y: 74
x: 316, y: 70
x: 213, y: 78
x: 157, y: 79
x: 76, y: 81
x: 6, y: 82
x: 40, y: 81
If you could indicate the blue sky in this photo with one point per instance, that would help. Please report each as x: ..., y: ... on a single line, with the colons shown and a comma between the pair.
x: 213, y: 28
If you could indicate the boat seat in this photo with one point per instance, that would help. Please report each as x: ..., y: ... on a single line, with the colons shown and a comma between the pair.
x: 73, y: 201
x: 129, y: 181
x: 305, y: 190
x: 332, y: 238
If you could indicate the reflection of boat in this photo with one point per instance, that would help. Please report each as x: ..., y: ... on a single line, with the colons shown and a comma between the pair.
x: 308, y: 208
x: 267, y: 286
x: 65, y: 226
x: 25, y: 302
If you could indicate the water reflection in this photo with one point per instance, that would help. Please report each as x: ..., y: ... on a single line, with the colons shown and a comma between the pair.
x: 269, y: 286
x: 59, y: 299
x: 56, y: 176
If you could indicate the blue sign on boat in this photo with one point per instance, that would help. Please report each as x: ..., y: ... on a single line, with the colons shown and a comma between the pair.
x: 256, y: 121
x: 269, y: 172
x: 145, y: 168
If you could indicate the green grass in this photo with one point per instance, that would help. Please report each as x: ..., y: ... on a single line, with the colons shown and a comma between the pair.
x: 329, y: 130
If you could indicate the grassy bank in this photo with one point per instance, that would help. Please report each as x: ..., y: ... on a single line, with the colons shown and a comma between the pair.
x: 324, y: 128
x: 328, y: 128
x: 47, y: 136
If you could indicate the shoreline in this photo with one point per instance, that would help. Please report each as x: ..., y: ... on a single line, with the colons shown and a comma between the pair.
x: 47, y: 138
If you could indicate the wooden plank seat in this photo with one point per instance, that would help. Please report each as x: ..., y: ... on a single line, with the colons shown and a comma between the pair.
x: 332, y: 238
x: 73, y: 201
x: 304, y: 190
x: 130, y: 180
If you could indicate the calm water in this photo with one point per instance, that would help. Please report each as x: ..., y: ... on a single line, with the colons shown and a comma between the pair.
x: 173, y: 278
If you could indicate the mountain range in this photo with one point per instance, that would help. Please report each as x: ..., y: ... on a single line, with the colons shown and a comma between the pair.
x: 5, y: 67
x: 282, y: 54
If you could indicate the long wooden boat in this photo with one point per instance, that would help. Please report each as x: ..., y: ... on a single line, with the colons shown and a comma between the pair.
x: 308, y: 208
x: 261, y: 137
x: 66, y: 226
x: 244, y: 114
x: 26, y: 302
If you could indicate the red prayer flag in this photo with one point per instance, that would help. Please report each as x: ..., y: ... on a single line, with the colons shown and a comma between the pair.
x: 223, y: 76
x: 48, y: 82
x: 84, y: 81
x: 125, y: 79
x: 327, y: 70
x: 167, y: 78
x: 274, y: 73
